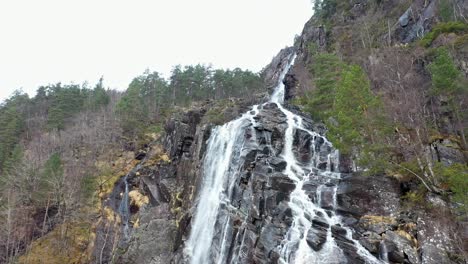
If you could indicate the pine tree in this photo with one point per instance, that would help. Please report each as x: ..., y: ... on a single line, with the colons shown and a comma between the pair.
x: 52, y: 180
x: 98, y: 97
x: 447, y: 82
x: 11, y: 125
x: 131, y: 109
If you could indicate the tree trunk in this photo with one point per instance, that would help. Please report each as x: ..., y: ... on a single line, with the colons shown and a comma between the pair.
x: 45, y: 216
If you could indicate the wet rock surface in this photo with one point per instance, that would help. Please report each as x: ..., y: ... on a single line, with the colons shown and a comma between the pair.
x: 415, y: 21
x: 155, y: 225
x: 272, y: 71
x: 260, y: 215
x: 258, y: 211
x: 446, y: 151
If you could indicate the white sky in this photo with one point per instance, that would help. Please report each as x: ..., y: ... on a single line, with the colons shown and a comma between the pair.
x: 47, y: 41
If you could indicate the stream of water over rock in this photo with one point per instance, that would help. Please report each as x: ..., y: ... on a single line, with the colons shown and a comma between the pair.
x: 313, y: 233
x: 124, y: 209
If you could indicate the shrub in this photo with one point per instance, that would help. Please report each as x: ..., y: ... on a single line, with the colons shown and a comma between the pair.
x: 444, y: 73
x: 448, y: 27
x: 456, y: 177
x: 326, y: 71
x: 215, y: 116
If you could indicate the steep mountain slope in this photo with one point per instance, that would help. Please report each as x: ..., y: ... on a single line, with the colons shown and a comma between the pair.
x: 353, y: 151
x: 392, y: 214
x: 256, y: 216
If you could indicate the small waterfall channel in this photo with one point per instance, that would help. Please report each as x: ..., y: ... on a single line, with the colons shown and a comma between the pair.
x: 124, y: 209
x: 120, y: 202
x: 316, y: 234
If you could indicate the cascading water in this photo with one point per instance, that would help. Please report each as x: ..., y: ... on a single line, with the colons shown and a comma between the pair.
x: 222, y: 164
x: 124, y: 209
x: 124, y: 205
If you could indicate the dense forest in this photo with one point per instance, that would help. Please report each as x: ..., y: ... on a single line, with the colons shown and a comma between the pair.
x: 53, y: 144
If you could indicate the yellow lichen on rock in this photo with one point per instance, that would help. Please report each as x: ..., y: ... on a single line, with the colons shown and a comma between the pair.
x: 398, y: 176
x: 408, y: 226
x: 136, y: 224
x: 192, y: 192
x: 165, y: 158
x: 138, y: 199
x: 158, y: 156
x: 408, y: 236
x: 378, y: 219
x: 109, y: 214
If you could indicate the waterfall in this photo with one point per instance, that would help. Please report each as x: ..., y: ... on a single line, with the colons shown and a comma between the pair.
x: 124, y: 209
x: 211, y: 235
x: 220, y: 165
x: 278, y: 94
x: 294, y: 247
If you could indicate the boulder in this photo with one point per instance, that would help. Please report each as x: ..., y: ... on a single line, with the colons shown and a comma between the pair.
x: 447, y: 152
x: 400, y: 248
x: 281, y: 182
x: 316, y: 238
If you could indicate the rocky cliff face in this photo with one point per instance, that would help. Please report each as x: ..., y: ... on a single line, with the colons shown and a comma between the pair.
x: 252, y: 226
x: 264, y: 214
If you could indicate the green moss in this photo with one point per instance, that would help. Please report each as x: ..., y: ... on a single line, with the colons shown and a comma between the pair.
x: 89, y: 186
x: 156, y: 128
x: 215, y: 116
x: 445, y: 10
x: 448, y: 27
x: 312, y: 48
x: 461, y: 42
x: 414, y: 199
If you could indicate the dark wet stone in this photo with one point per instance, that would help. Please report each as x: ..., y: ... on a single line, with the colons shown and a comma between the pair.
x: 316, y: 238
x: 338, y: 231
x: 320, y: 224
x: 322, y: 165
x: 268, y: 241
x: 277, y: 163
x: 281, y: 183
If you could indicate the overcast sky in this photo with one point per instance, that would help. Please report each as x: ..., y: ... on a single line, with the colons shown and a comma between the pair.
x: 50, y: 41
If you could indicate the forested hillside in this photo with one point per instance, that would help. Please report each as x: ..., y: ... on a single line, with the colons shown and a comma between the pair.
x: 58, y: 151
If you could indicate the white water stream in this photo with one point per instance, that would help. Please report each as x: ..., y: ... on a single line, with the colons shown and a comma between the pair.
x: 124, y: 210
x: 221, y: 164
